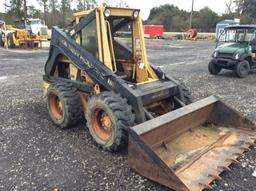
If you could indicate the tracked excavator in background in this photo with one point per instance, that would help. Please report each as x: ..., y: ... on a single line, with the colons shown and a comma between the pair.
x: 127, y: 101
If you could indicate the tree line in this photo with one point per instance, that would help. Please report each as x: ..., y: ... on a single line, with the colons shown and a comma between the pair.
x: 59, y: 12
x: 53, y: 12
x: 204, y: 20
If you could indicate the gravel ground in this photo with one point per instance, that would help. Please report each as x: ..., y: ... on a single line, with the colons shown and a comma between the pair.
x: 36, y: 155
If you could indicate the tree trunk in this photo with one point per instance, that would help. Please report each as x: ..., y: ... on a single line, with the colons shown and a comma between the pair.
x: 19, y: 9
x: 88, y: 4
x: 25, y: 9
x: 45, y: 9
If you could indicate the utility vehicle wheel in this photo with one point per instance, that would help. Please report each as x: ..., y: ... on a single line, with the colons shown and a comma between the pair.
x: 10, y: 41
x: 213, y: 68
x: 64, y: 104
x: 242, y: 69
x: 108, y: 118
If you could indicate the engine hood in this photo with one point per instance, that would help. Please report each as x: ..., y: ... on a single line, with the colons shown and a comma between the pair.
x: 232, y: 48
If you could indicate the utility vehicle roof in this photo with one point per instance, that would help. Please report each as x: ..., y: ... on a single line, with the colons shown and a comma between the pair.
x: 241, y: 27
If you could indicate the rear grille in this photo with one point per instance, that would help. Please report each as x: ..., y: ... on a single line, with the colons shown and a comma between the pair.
x: 43, y: 31
x: 225, y: 55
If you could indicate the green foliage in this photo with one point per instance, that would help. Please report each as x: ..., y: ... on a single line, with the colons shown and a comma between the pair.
x: 245, y: 10
x: 80, y: 5
x: 14, y: 10
x: 205, y: 20
x: 43, y: 3
x: 65, y: 10
x: 54, y: 6
x: 58, y: 12
x: 170, y: 16
x: 85, y: 5
x: 2, y: 16
x: 34, y: 13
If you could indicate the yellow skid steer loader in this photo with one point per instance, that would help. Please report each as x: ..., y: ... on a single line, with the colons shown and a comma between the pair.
x: 172, y: 141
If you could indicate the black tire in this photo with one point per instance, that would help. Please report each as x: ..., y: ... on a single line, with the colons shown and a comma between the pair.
x: 186, y: 96
x: 242, y: 69
x: 10, y: 41
x: 70, y: 110
x: 1, y: 40
x: 36, y: 45
x: 120, y: 118
x: 213, y: 68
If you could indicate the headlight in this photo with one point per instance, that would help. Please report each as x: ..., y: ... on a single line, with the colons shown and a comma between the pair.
x: 237, y: 56
x: 107, y: 13
x: 215, y: 54
x: 135, y: 14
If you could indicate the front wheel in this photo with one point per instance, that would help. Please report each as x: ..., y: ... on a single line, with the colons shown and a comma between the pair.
x: 108, y: 118
x: 242, y: 69
x: 213, y: 68
x: 63, y: 103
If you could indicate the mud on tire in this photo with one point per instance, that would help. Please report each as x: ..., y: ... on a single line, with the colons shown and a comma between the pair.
x: 64, y: 105
x: 108, y: 118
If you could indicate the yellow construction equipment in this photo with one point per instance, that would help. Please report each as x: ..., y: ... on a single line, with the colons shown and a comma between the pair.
x: 172, y: 141
x: 39, y: 28
x: 19, y: 35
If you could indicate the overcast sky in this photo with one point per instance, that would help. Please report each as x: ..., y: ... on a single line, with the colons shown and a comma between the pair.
x: 145, y: 5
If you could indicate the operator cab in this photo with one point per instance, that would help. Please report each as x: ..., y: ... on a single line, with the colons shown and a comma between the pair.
x: 122, y: 53
x: 23, y: 24
x: 101, y: 37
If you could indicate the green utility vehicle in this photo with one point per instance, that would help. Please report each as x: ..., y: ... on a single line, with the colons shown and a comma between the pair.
x: 235, y: 50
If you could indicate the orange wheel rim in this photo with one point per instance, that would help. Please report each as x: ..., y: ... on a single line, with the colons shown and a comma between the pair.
x: 56, y: 107
x: 102, y: 124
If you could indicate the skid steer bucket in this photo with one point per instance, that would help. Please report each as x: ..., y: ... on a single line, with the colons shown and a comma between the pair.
x: 190, y: 147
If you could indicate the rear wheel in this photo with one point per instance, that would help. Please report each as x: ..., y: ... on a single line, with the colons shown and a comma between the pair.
x: 1, y: 39
x: 63, y: 104
x: 213, y: 68
x: 108, y: 118
x: 242, y: 69
x: 10, y: 40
